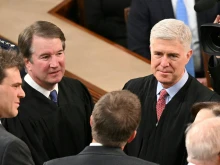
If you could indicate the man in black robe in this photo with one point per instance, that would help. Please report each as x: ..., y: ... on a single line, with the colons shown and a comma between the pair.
x: 54, y: 116
x: 160, y: 139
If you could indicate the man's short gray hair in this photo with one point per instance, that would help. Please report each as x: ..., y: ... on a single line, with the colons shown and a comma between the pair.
x: 203, y: 141
x: 172, y: 29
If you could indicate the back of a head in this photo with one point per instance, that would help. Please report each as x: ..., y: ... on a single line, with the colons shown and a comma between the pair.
x: 42, y: 29
x: 172, y: 29
x: 115, y: 117
x: 202, y: 142
x: 9, y: 59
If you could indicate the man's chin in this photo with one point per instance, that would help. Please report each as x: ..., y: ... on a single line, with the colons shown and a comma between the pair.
x: 163, y: 78
x: 12, y: 114
x: 164, y: 81
x: 54, y: 82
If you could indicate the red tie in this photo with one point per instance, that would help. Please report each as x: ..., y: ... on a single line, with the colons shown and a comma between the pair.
x: 161, y: 103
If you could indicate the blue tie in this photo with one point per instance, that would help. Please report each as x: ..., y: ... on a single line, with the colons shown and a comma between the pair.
x: 53, y: 96
x: 181, y: 14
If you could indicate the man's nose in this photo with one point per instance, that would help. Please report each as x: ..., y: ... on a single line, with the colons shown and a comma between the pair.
x: 164, y: 61
x: 54, y: 61
x: 21, y: 93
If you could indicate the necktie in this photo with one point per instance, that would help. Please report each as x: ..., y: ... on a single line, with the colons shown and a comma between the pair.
x: 53, y: 96
x: 161, y: 103
x: 181, y: 14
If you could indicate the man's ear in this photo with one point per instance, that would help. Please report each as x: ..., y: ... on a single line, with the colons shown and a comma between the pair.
x: 189, y: 54
x: 90, y: 121
x: 27, y: 64
x: 132, y: 136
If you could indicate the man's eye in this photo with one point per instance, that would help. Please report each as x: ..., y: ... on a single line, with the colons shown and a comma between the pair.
x: 59, y: 53
x: 158, y: 54
x: 44, y: 57
x: 173, y: 55
x: 15, y: 86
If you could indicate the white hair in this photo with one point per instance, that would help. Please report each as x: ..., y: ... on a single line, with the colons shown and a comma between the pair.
x: 172, y: 29
x: 203, y: 141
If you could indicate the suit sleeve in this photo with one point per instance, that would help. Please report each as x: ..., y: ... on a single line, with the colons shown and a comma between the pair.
x: 17, y: 153
x: 138, y: 28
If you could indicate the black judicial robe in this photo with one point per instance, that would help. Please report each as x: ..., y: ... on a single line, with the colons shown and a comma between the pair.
x: 52, y: 131
x: 165, y: 143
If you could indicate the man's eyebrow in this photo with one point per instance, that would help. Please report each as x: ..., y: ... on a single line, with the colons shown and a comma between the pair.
x: 48, y: 53
x: 175, y: 54
x: 60, y: 51
x: 158, y: 52
x: 16, y: 84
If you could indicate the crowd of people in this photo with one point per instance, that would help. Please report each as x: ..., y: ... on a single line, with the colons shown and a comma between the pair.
x: 167, y: 118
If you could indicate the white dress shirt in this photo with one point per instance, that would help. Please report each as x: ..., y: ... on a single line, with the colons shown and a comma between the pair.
x: 37, y: 87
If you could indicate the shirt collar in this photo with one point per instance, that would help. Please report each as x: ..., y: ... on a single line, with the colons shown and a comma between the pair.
x: 95, y: 144
x: 190, y: 163
x: 175, y: 88
x: 34, y: 85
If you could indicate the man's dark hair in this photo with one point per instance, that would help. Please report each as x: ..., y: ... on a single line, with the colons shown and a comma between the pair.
x: 115, y: 117
x: 42, y: 29
x: 9, y: 59
x: 214, y: 106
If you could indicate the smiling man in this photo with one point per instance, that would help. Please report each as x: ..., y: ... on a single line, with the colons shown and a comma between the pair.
x: 54, y: 116
x: 166, y: 96
x: 12, y: 150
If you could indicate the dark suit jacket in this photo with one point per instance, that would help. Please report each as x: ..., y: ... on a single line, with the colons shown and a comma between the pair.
x: 13, y: 151
x: 144, y: 14
x: 106, y: 17
x: 99, y: 155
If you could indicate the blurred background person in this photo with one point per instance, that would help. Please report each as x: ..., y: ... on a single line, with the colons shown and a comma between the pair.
x: 106, y: 17
x: 114, y: 121
x: 202, y: 142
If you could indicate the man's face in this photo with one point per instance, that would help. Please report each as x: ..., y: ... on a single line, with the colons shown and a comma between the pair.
x: 10, y: 93
x: 47, y: 64
x: 168, y: 60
